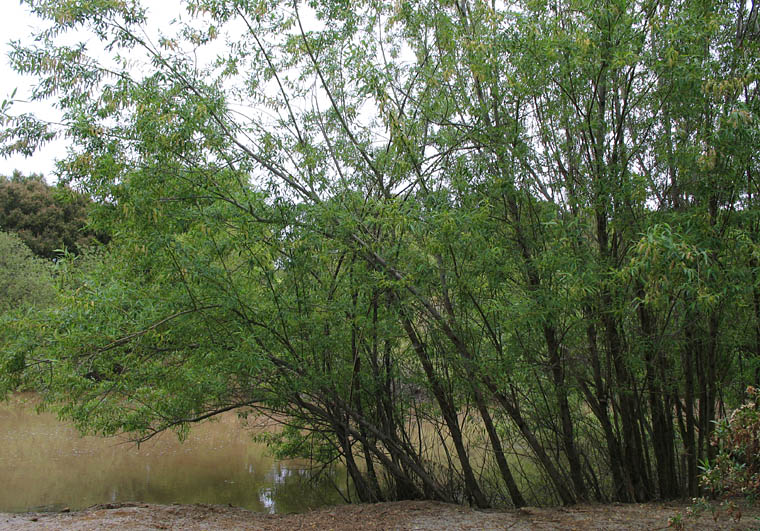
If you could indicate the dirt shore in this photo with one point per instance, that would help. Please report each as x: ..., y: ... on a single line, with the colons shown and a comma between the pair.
x: 410, y: 515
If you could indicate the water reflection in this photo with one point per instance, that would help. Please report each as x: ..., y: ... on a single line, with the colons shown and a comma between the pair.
x: 44, y: 464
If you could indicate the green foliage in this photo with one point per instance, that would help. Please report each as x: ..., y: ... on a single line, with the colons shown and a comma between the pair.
x: 25, y: 280
x: 372, y: 217
x: 736, y: 467
x: 733, y: 475
x: 46, y: 218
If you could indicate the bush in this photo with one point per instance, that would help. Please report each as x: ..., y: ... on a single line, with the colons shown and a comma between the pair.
x: 25, y: 280
x: 736, y: 469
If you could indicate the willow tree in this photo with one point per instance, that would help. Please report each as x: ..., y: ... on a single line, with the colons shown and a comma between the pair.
x: 531, y: 225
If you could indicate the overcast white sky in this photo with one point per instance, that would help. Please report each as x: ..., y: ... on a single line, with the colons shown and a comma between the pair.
x: 16, y: 24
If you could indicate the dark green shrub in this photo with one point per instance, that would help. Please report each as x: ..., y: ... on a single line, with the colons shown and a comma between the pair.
x: 736, y: 469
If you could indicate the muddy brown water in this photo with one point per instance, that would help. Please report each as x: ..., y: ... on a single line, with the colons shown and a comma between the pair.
x: 46, y: 465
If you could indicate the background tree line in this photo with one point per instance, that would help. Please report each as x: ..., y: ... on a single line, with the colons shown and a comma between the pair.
x: 38, y: 223
x: 479, y: 252
x: 46, y: 218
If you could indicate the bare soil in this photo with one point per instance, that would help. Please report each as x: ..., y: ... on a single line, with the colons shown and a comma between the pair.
x: 408, y: 515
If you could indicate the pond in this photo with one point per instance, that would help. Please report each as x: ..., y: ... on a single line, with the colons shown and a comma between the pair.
x: 46, y: 465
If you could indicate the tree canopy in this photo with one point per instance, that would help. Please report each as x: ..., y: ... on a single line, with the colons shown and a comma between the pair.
x: 47, y: 218
x: 530, y: 226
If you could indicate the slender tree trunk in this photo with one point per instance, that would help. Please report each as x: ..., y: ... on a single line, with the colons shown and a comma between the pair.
x: 560, y: 387
x: 687, y: 362
x: 659, y: 407
x: 756, y: 303
x: 633, y: 454
x: 513, y: 410
x: 600, y: 403
x: 634, y: 464
x: 501, y: 460
x: 363, y: 490
x: 472, y: 489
